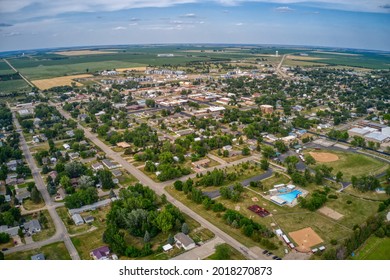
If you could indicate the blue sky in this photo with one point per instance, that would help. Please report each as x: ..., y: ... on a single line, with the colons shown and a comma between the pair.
x: 30, y: 24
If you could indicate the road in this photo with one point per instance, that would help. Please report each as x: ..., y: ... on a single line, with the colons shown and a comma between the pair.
x: 280, y: 72
x: 159, y: 189
x: 23, y: 77
x: 61, y: 232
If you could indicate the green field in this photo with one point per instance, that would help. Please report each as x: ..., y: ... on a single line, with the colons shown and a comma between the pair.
x: 55, y: 251
x: 374, y: 248
x: 14, y: 85
x: 5, y: 69
x: 354, y: 164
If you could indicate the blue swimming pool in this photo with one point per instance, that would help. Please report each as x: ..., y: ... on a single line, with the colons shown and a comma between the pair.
x: 289, y: 197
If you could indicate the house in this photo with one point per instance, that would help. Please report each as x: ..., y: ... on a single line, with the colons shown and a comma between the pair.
x: 116, y: 173
x: 97, y: 166
x: 13, y: 164
x: 266, y: 109
x: 227, y: 148
x: 70, y: 133
x: 66, y: 146
x: 90, y: 207
x: 53, y: 174
x: 203, y: 162
x: 109, y: 164
x: 123, y: 145
x: 184, y: 241
x: 89, y: 219
x: 73, y: 156
x: 12, y: 231
x: 101, y: 253
x: 38, y: 257
x: 77, y: 219
x: 22, y: 194
x: 32, y: 226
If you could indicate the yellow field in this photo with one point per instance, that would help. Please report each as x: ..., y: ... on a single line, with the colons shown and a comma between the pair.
x: 84, y: 52
x: 337, y: 53
x: 58, y: 81
x: 298, y: 57
x: 141, y: 68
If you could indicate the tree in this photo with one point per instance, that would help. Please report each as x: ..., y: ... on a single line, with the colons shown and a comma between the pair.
x: 282, y: 148
x: 225, y: 153
x: 170, y: 240
x: 264, y: 164
x: 85, y: 182
x: 78, y: 134
x: 4, y: 237
x: 339, y: 176
x: 309, y: 159
x: 222, y: 252
x: 178, y: 185
x: 146, y: 237
x: 165, y: 221
x: 268, y: 152
x: 65, y: 182
x: 185, y: 229
x: 74, y: 169
x: 105, y: 178
x: 1, y: 256
x: 150, y: 103
x: 246, y: 151
x: 35, y: 196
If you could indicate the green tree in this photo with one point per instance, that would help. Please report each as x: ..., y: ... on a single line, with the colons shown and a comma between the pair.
x: 105, y: 178
x: 339, y: 176
x: 264, y: 164
x: 184, y: 228
x: 35, y: 196
x: 146, y: 237
x: 165, y: 221
x: 309, y: 159
x: 222, y: 252
x: 246, y: 151
x: 170, y: 240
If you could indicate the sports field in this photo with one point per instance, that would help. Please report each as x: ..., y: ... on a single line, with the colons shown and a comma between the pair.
x: 352, y: 164
x: 305, y: 239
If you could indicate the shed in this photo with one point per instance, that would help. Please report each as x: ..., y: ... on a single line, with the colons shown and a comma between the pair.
x: 77, y: 219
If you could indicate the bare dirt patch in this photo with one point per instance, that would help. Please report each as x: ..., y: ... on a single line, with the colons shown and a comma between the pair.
x: 297, y: 57
x: 305, y: 239
x: 59, y: 81
x: 324, y: 157
x: 330, y: 213
x: 83, y: 52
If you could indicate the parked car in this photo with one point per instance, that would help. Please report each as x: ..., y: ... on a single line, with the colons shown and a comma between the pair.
x: 275, y: 257
x: 4, y: 249
x: 265, y: 252
x: 269, y: 254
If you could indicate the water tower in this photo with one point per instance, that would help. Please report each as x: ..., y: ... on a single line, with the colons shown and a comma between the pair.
x: 276, y: 53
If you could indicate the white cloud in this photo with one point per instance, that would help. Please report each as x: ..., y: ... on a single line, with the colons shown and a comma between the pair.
x: 119, y: 28
x: 284, y: 9
x: 239, y: 24
x: 12, y: 34
x: 190, y: 15
x: 38, y: 8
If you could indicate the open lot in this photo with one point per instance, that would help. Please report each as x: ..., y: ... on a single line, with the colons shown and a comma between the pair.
x: 58, y: 81
x: 330, y: 213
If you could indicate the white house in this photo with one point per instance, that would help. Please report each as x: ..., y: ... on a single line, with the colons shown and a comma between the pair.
x: 184, y: 241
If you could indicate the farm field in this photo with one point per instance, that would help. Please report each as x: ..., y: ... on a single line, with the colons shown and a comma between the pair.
x: 5, y: 69
x: 14, y: 85
x: 59, y: 81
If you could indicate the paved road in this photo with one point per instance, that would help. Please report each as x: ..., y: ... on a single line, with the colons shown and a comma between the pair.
x: 61, y: 232
x: 280, y: 72
x: 217, y: 159
x: 159, y: 189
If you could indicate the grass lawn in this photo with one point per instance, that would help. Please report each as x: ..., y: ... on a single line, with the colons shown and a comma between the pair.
x: 374, y: 248
x: 126, y: 179
x: 87, y: 242
x: 201, y: 235
x: 47, y: 231
x: 354, y: 164
x: 274, y: 180
x: 55, y: 251
x: 29, y: 205
x: 354, y: 213
x: 368, y: 195
x: 233, y: 254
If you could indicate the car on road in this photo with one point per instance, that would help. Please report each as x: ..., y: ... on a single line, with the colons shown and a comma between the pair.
x: 269, y: 254
x: 265, y: 252
x: 279, y: 259
x: 275, y: 257
x: 4, y: 249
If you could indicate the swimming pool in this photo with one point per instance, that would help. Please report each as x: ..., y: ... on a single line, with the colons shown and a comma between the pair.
x: 289, y: 197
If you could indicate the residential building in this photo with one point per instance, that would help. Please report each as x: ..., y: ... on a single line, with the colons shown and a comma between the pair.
x: 184, y: 241
x: 38, y: 257
x: 32, y: 226
x: 77, y: 219
x: 102, y: 253
x: 109, y: 164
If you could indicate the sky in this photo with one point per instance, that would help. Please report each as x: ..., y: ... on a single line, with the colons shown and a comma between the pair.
x: 33, y: 24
